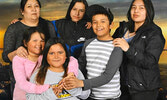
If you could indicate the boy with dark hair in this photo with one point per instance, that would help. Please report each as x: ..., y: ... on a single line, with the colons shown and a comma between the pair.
x: 99, y: 60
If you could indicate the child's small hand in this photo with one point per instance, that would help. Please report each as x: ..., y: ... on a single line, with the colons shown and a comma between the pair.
x: 70, y: 74
x: 57, y: 90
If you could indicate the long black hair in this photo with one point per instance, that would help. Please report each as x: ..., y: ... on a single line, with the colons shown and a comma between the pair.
x: 73, y: 2
x: 40, y: 78
x: 149, y: 14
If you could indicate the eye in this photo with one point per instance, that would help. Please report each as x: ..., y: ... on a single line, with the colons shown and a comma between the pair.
x: 28, y: 6
x: 82, y: 10
x: 60, y: 52
x: 103, y: 21
x: 36, y: 5
x: 74, y: 9
x: 142, y: 7
x: 51, y: 53
x: 34, y: 40
x: 94, y: 22
x: 133, y: 7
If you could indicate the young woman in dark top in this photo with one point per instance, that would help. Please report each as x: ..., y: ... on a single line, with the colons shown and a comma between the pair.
x: 142, y: 42
x: 72, y: 28
x: 30, y: 10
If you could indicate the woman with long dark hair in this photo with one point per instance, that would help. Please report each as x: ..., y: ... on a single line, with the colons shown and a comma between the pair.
x: 72, y: 28
x: 142, y: 42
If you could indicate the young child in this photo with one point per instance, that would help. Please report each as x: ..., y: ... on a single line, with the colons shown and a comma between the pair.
x: 34, y: 41
x: 99, y: 60
x: 52, y: 70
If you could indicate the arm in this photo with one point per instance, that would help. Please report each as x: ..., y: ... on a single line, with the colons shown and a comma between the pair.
x: 9, y: 44
x: 73, y: 66
x: 51, y: 29
x: 21, y: 79
x: 10, y: 50
x: 111, y: 68
x: 78, y: 91
x: 150, y: 56
x: 47, y: 95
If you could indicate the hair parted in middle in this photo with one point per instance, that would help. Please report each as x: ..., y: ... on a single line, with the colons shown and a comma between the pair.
x: 40, y: 78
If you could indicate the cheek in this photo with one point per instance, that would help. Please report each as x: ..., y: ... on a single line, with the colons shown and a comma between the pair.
x: 64, y: 59
x: 49, y: 60
x: 43, y: 45
x: 71, y: 13
x: 82, y: 14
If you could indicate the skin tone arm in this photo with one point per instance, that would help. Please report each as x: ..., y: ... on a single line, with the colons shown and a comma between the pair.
x: 21, y: 51
x: 72, y: 82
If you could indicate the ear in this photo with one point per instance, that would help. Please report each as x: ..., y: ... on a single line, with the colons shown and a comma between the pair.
x: 111, y: 25
x: 25, y: 44
x: 22, y: 13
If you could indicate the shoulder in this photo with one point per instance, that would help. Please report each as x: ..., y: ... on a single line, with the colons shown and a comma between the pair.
x: 117, y: 51
x: 18, y: 59
x: 151, y: 30
x: 73, y: 59
x: 15, y: 25
x: 89, y: 40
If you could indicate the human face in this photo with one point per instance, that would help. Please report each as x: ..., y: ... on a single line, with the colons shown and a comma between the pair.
x: 56, y: 57
x: 36, y: 44
x: 138, y: 12
x: 31, y: 10
x: 77, y: 12
x: 101, y: 26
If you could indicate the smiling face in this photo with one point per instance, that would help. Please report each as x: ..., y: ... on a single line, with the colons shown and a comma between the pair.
x: 56, y: 57
x: 138, y: 12
x: 101, y: 26
x: 36, y: 44
x: 77, y: 12
x: 31, y: 10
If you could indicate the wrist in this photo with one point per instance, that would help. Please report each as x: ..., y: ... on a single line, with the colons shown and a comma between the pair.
x: 81, y: 83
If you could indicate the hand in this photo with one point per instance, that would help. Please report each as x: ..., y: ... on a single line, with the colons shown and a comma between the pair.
x: 22, y: 52
x: 14, y: 21
x: 88, y: 25
x: 57, y: 90
x: 120, y: 42
x: 72, y: 82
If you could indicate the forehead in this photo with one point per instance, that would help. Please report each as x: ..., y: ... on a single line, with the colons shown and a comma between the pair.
x: 79, y: 5
x: 138, y: 3
x: 31, y: 2
x: 99, y: 17
x: 56, y: 47
x: 37, y: 34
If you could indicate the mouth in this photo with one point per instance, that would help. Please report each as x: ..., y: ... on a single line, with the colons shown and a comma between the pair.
x: 76, y: 17
x: 135, y: 16
x: 99, y: 29
x: 34, y: 13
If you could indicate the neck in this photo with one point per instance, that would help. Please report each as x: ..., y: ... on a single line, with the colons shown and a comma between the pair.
x: 56, y: 69
x: 105, y: 38
x: 137, y: 25
x: 33, y: 57
x: 30, y: 22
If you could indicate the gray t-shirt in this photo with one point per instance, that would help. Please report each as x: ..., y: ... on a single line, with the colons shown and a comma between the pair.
x: 54, y: 78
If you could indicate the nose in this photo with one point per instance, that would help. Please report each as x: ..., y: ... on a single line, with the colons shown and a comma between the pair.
x: 77, y: 13
x: 56, y: 55
x: 136, y: 9
x: 33, y: 8
x: 98, y: 23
